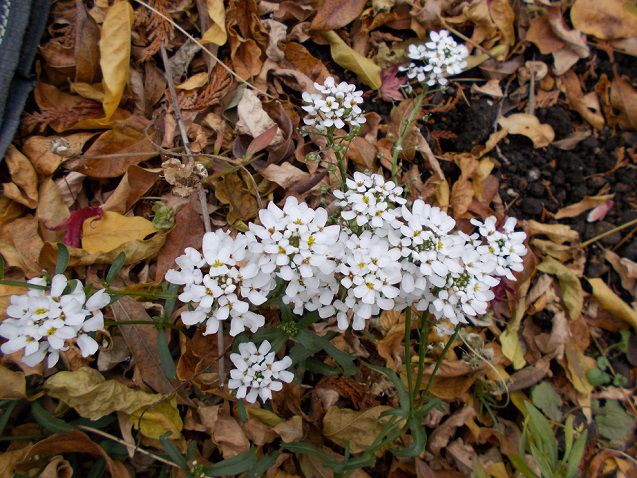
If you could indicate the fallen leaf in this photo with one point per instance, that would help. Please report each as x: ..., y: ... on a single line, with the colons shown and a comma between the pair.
x: 194, y: 82
x: 290, y: 430
x: 133, y: 186
x: 285, y: 175
x: 12, y: 384
x: 253, y: 119
x: 607, y: 19
x: 577, y: 364
x: 47, y: 153
x: 335, y: 14
x: 528, y: 125
x: 217, y: 32
x: 442, y: 434
x: 367, y: 71
x: 391, y: 88
x: 611, y: 303
x: 623, y: 98
x: 114, y: 151
x: 188, y: 232
x: 589, y: 202
x: 142, y: 343
x: 24, y: 188
x: 72, y: 442
x: 303, y: 60
x: 230, y: 437
x: 572, y: 292
x: 548, y: 400
x: 72, y: 225
x: 94, y: 397
x: 115, y: 49
x: 613, y: 421
x: 626, y: 269
x: 357, y: 428
x: 113, y: 230
x: 558, y: 233
x: 51, y: 209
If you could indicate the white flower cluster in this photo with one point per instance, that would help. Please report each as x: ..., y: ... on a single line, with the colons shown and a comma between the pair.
x: 436, y: 59
x: 376, y: 254
x: 334, y: 107
x: 41, y: 321
x: 231, y: 283
x: 257, y: 374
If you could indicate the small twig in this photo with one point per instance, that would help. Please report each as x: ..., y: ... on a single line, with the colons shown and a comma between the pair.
x: 201, y: 45
x: 133, y: 448
x: 608, y: 233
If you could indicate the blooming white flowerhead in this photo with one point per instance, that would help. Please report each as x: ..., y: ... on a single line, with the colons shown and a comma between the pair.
x: 257, y: 373
x: 228, y: 288
x: 436, y: 59
x: 42, y: 322
x: 334, y: 107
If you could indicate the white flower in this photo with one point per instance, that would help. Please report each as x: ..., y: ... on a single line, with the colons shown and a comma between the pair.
x: 42, y: 323
x: 334, y: 107
x: 257, y: 374
x: 436, y: 59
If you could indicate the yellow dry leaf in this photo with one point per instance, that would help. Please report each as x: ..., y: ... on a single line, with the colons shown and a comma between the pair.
x: 572, y: 293
x: 357, y: 428
x: 217, y: 32
x: 367, y: 71
x: 512, y: 348
x: 528, y: 125
x: 264, y: 416
x: 611, y: 303
x: 115, y: 49
x: 94, y: 397
x: 605, y: 19
x: 290, y: 430
x: 12, y: 384
x: 558, y: 233
x: 577, y: 364
x: 113, y: 230
x: 194, y: 82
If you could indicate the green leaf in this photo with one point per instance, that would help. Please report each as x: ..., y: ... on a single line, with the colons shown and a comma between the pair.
x: 48, y: 421
x: 575, y: 457
x: 1, y: 267
x: 522, y: 467
x: 542, y: 436
x: 116, y: 266
x: 602, y: 363
x: 169, y: 305
x: 419, y: 437
x: 596, y: 377
x: 243, y: 414
x: 613, y: 421
x: 263, y: 465
x: 170, y: 448
x: 314, y: 343
x: 62, y: 261
x: 548, y: 400
x: 165, y: 357
x: 235, y: 465
x: 7, y: 407
x: 164, y: 217
x: 403, y: 396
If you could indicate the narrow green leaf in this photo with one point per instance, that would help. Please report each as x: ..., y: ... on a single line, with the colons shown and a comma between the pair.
x: 403, y: 396
x: 235, y: 465
x: 170, y: 448
x: 62, y: 261
x: 243, y: 414
x: 116, y: 266
x: 8, y: 407
x: 1, y: 267
x: 522, y: 467
x: 165, y: 357
x: 576, y: 455
x: 48, y: 421
x: 263, y: 465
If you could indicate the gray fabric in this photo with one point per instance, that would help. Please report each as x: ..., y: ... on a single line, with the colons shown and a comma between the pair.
x: 22, y: 23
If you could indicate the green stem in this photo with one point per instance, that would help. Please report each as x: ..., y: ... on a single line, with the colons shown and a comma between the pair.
x: 403, y: 133
x: 113, y: 323
x: 448, y: 345
x: 410, y: 380
x: 151, y: 295
x: 26, y: 285
x: 422, y: 349
x: 22, y: 437
x: 340, y: 160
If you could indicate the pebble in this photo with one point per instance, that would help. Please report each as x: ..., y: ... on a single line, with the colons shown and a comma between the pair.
x: 601, y: 227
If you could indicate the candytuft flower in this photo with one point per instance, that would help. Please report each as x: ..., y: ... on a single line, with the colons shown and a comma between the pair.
x: 435, y: 60
x: 257, y: 373
x: 43, y: 322
x: 334, y: 107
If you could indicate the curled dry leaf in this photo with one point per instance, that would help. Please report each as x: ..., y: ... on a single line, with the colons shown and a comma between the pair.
x: 285, y: 175
x: 572, y: 292
x: 94, y: 397
x: 528, y: 125
x: 185, y: 179
x: 335, y: 14
x: 12, y: 384
x: 612, y: 303
x: 24, y: 188
x: 217, y: 32
x: 623, y: 98
x: 47, y: 153
x: 253, y: 119
x: 626, y: 269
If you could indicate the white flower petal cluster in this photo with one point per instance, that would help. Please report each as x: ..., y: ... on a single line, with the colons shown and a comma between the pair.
x: 296, y: 244
x: 257, y: 373
x: 436, y: 59
x: 222, y: 284
x: 377, y: 253
x: 334, y: 107
x: 42, y: 321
